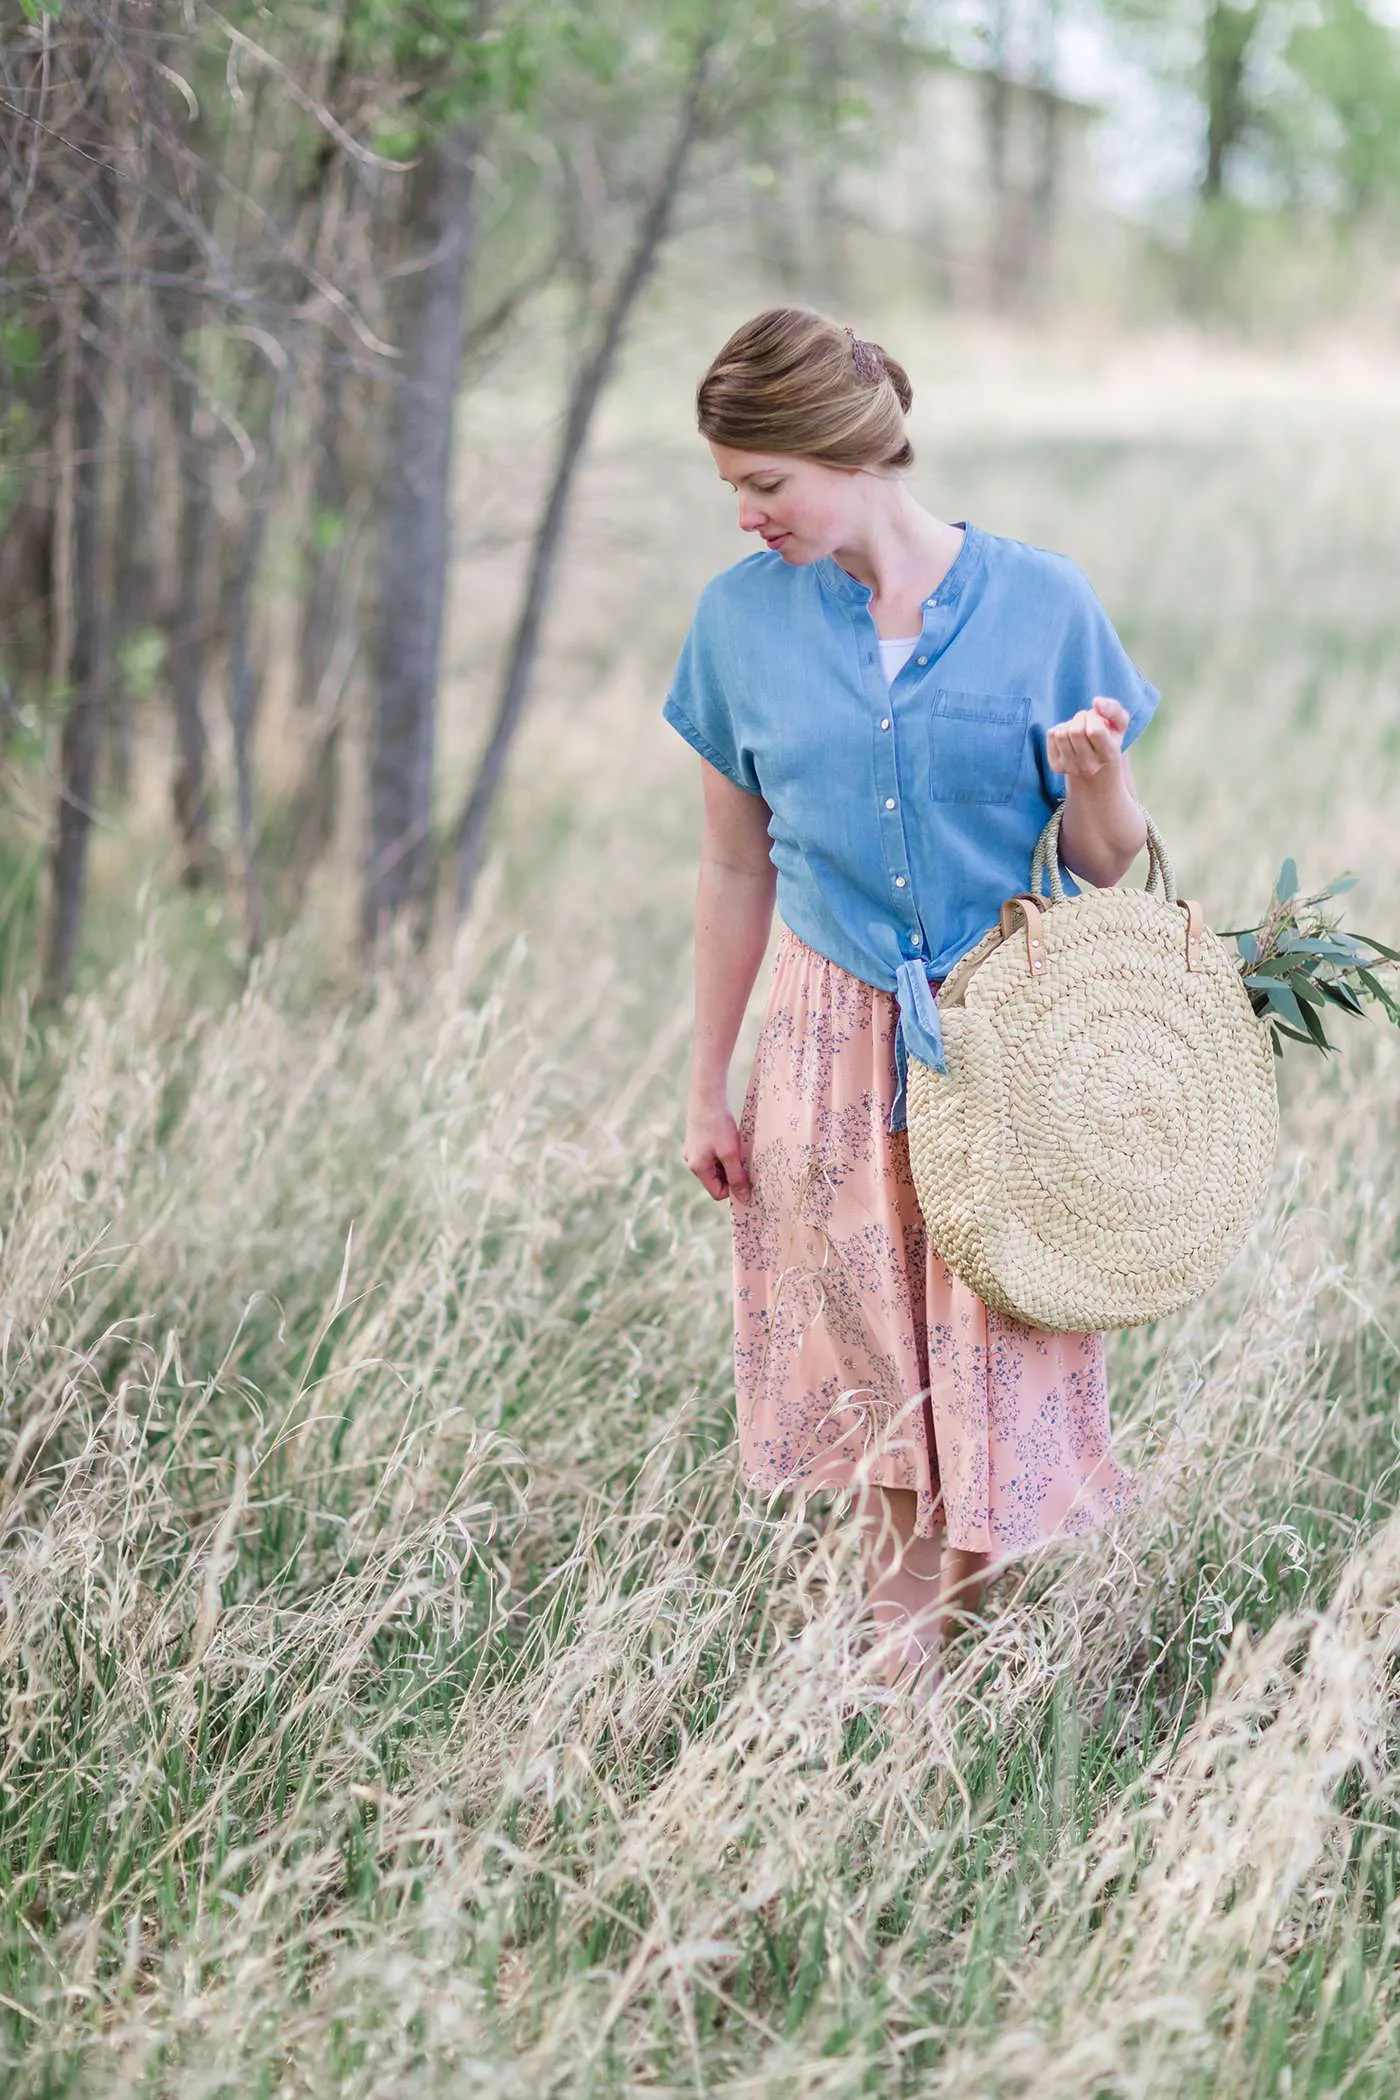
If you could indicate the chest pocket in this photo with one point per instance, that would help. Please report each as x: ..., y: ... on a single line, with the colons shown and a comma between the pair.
x: 976, y: 745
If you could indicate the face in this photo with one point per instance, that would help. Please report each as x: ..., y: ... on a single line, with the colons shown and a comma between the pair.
x: 798, y: 508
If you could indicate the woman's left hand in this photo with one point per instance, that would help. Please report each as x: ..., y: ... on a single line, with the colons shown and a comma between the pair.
x: 1088, y: 741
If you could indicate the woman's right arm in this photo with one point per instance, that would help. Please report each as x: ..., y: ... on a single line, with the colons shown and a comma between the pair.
x: 733, y: 914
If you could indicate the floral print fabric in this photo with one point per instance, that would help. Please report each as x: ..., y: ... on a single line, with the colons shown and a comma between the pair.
x: 859, y: 1356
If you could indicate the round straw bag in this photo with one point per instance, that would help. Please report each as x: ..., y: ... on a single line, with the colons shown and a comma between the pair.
x: 1102, y: 1138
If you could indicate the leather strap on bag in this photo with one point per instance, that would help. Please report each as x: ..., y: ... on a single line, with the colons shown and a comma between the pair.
x: 1035, y: 928
x: 1194, y: 922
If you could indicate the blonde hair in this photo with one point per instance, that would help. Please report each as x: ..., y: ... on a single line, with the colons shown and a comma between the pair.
x: 792, y: 381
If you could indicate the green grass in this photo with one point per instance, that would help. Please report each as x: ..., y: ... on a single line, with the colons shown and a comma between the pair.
x: 401, y: 1695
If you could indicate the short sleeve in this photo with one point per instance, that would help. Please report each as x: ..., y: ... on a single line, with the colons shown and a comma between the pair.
x: 1094, y: 661
x: 705, y: 703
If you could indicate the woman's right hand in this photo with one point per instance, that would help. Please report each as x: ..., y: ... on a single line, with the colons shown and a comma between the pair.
x: 712, y: 1150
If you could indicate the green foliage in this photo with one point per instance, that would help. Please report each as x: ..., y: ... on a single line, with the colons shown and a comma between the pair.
x: 140, y: 661
x: 21, y: 352
x: 1309, y: 92
x: 453, y: 62
x: 1297, y: 962
x: 328, y: 531
x: 1347, y: 127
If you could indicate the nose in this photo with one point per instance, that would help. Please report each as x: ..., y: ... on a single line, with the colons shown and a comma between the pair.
x: 751, y: 515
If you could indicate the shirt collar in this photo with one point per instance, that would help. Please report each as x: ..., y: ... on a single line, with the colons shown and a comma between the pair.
x: 848, y: 590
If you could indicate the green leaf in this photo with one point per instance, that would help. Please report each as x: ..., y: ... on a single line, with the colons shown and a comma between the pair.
x: 1248, y: 946
x: 1284, y: 1001
x: 1304, y: 989
x: 1315, y: 1029
x: 1287, y: 884
x: 1341, y: 995
x: 1295, y: 1035
x: 1380, y: 994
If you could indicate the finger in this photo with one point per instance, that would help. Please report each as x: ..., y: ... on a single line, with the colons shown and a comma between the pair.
x: 1075, y: 750
x: 1064, y: 734
x: 736, y: 1174
x: 1112, y: 711
x: 1087, y: 743
x: 709, y: 1175
x: 1101, y: 739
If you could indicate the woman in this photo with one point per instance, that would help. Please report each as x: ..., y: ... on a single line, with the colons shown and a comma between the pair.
x: 887, y: 707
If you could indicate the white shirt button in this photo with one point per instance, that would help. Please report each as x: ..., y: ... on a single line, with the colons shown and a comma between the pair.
x: 889, y: 801
x: 923, y: 659
x: 916, y: 940
x: 899, y: 882
x: 884, y: 721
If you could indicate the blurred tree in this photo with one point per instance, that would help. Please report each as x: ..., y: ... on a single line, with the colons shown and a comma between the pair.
x: 463, y: 64
x: 1309, y: 88
x: 651, y: 227
x: 1211, y: 48
x: 725, y: 82
x: 1341, y: 127
x: 88, y: 666
x: 1230, y: 31
x: 254, y: 346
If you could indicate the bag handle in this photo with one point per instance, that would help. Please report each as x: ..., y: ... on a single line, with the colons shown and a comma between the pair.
x: 1032, y: 904
x: 1046, y: 860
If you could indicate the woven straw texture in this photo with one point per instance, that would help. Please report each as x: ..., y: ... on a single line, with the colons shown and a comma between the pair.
x: 1103, y: 1136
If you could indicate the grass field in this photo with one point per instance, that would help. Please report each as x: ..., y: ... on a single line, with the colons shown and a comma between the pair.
x: 402, y: 1694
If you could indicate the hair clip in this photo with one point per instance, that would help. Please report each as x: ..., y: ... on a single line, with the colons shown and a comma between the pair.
x: 868, y: 358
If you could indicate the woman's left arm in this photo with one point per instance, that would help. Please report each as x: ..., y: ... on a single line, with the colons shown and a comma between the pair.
x: 1103, y: 829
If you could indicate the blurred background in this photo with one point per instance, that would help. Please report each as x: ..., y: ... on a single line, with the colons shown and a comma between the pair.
x: 352, y: 510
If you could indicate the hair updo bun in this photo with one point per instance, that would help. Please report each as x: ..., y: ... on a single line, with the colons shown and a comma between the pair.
x: 791, y: 381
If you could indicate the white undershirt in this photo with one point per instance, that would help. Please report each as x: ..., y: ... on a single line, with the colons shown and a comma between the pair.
x: 896, y: 654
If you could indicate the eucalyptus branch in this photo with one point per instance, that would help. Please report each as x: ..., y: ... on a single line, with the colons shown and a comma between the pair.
x: 1297, y: 961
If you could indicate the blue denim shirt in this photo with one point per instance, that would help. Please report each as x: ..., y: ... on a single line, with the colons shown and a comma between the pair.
x: 903, y: 815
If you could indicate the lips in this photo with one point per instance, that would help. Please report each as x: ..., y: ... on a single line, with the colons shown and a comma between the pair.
x: 774, y: 539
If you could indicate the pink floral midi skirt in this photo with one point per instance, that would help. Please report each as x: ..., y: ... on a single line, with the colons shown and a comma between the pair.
x: 859, y: 1356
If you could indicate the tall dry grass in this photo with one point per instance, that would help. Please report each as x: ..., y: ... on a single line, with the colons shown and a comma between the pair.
x: 402, y: 1695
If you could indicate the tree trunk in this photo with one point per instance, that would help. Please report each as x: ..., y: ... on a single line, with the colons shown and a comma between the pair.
x: 29, y: 550
x: 327, y: 635
x: 413, y: 544
x: 996, y: 118
x: 244, y: 680
x: 81, y: 737
x: 190, y: 792
x: 1229, y: 34
x: 592, y: 377
x: 326, y: 540
x: 1045, y: 179
x: 133, y: 575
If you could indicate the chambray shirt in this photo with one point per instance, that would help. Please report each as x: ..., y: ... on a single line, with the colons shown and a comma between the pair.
x: 902, y: 815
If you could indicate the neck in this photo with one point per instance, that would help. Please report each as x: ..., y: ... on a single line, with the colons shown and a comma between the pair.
x: 901, y: 550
